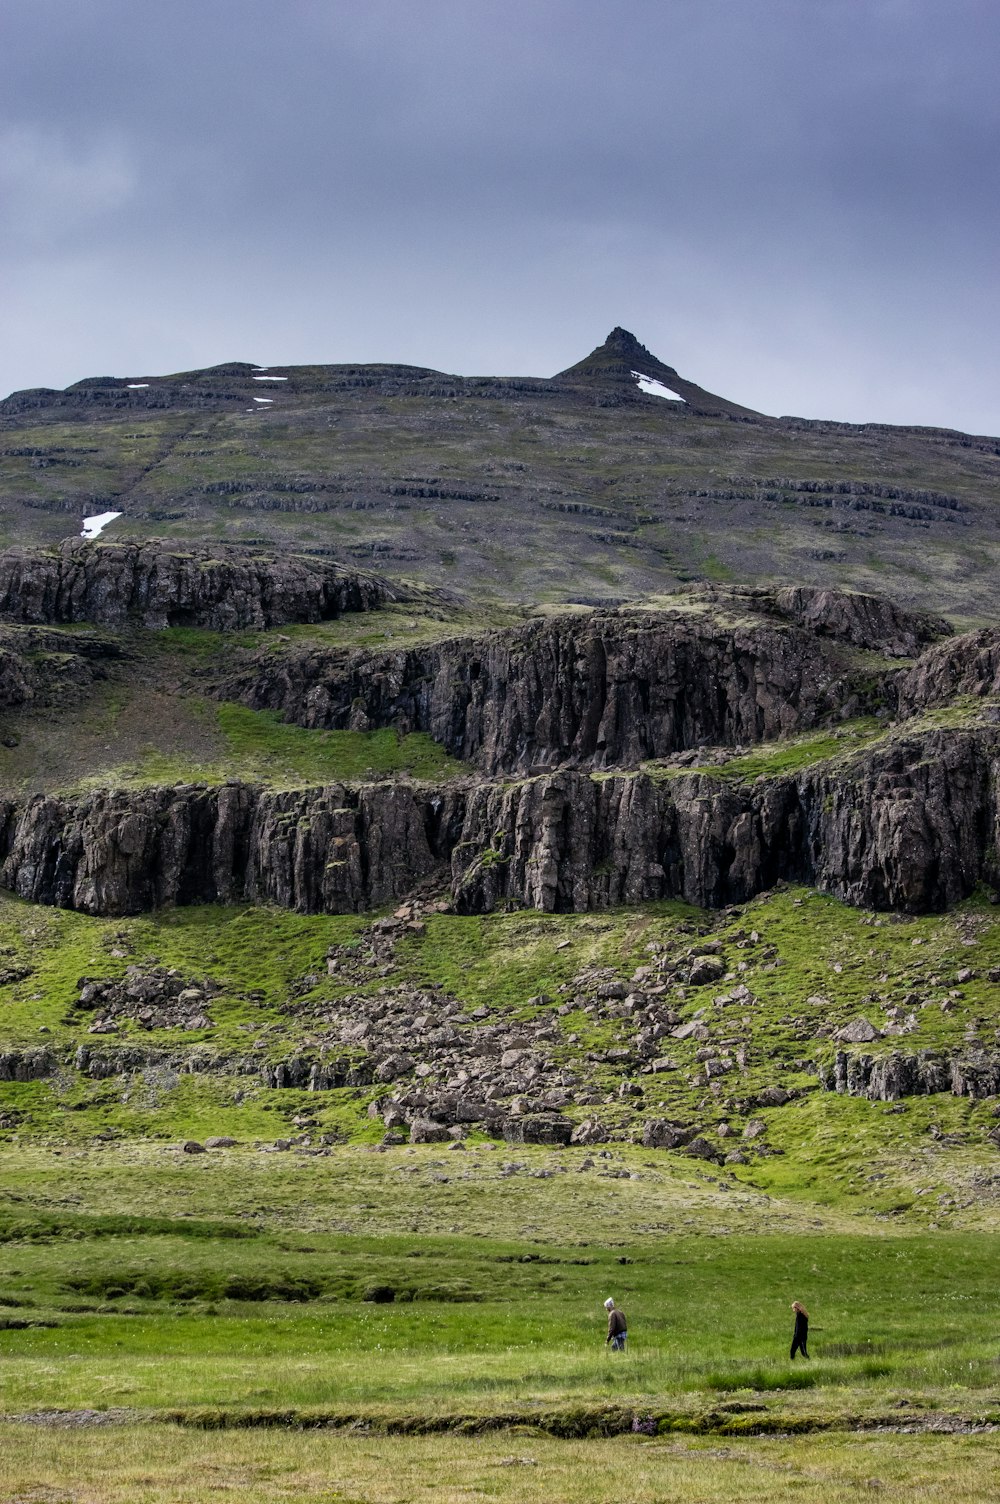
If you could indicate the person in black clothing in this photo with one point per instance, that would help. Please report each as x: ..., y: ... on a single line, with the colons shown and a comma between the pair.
x: 801, y: 1333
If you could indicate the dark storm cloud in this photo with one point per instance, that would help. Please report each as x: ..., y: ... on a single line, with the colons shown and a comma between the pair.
x: 794, y: 204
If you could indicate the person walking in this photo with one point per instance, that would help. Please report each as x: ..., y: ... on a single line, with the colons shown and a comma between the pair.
x: 801, y: 1333
x: 617, y: 1326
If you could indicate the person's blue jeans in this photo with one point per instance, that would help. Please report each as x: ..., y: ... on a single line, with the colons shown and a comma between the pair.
x: 618, y: 1342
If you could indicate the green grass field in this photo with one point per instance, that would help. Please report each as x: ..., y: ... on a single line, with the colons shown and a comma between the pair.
x: 149, y: 1298
x: 244, y: 1283
x: 119, y: 1465
x: 160, y: 1293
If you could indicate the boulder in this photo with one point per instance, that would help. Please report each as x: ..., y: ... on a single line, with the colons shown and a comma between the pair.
x: 858, y: 1031
x: 773, y: 1096
x: 700, y: 1148
x: 427, y: 1131
x: 694, y: 1029
x: 538, y: 1128
x: 706, y: 969
x: 658, y: 1133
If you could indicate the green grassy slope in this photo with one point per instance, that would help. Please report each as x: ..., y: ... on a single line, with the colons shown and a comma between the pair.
x: 813, y: 966
x: 522, y: 494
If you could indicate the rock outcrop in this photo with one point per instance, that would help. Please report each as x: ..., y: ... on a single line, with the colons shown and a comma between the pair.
x: 39, y: 665
x: 16, y: 679
x: 607, y: 690
x: 866, y: 621
x: 966, y: 665
x: 886, y: 1078
x: 909, y: 825
x: 329, y: 850
x: 27, y: 1064
x: 154, y: 585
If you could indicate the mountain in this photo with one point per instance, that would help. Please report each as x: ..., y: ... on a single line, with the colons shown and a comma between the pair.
x: 415, y: 756
x: 621, y: 368
x: 588, y: 769
x: 616, y: 480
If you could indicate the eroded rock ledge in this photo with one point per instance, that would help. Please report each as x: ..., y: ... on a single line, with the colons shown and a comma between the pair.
x: 973, y: 1073
x: 153, y: 585
x: 610, y: 689
x: 909, y: 825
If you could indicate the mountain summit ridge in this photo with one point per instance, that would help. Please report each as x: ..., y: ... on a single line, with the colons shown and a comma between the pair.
x: 616, y: 364
x: 613, y: 480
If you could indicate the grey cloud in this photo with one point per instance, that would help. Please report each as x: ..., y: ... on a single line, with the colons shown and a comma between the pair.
x: 796, y: 204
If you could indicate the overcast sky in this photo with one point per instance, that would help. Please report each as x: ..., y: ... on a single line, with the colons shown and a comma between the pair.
x: 794, y: 202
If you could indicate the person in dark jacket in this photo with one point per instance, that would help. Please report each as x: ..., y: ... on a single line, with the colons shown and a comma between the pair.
x: 801, y: 1333
x: 617, y: 1326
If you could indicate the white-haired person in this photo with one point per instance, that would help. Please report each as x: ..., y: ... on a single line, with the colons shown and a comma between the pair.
x: 617, y: 1326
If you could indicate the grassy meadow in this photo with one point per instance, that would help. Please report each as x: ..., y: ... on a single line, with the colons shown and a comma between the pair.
x: 119, y: 1465
x: 241, y: 1285
x: 175, y: 1328
x: 355, y: 1321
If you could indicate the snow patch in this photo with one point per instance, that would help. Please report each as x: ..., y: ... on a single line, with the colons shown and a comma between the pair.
x: 93, y: 526
x: 270, y: 378
x: 266, y: 401
x: 136, y: 386
x: 654, y: 388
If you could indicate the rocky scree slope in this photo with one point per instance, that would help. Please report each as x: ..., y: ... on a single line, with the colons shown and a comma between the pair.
x: 682, y: 1047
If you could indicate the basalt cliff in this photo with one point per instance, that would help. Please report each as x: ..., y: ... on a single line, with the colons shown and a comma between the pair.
x: 709, y: 749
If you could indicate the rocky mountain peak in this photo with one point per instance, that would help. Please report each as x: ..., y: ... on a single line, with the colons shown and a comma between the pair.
x: 623, y: 343
x: 625, y: 371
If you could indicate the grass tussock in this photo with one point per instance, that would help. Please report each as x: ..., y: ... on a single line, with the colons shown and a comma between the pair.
x: 122, y: 1465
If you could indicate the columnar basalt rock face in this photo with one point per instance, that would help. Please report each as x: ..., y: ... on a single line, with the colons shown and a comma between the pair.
x: 607, y: 690
x: 911, y: 825
x: 152, y: 585
x: 332, y: 850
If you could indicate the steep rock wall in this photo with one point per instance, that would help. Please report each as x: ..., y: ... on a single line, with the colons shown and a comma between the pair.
x: 152, y: 585
x: 332, y: 850
x: 911, y: 825
x: 607, y: 691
